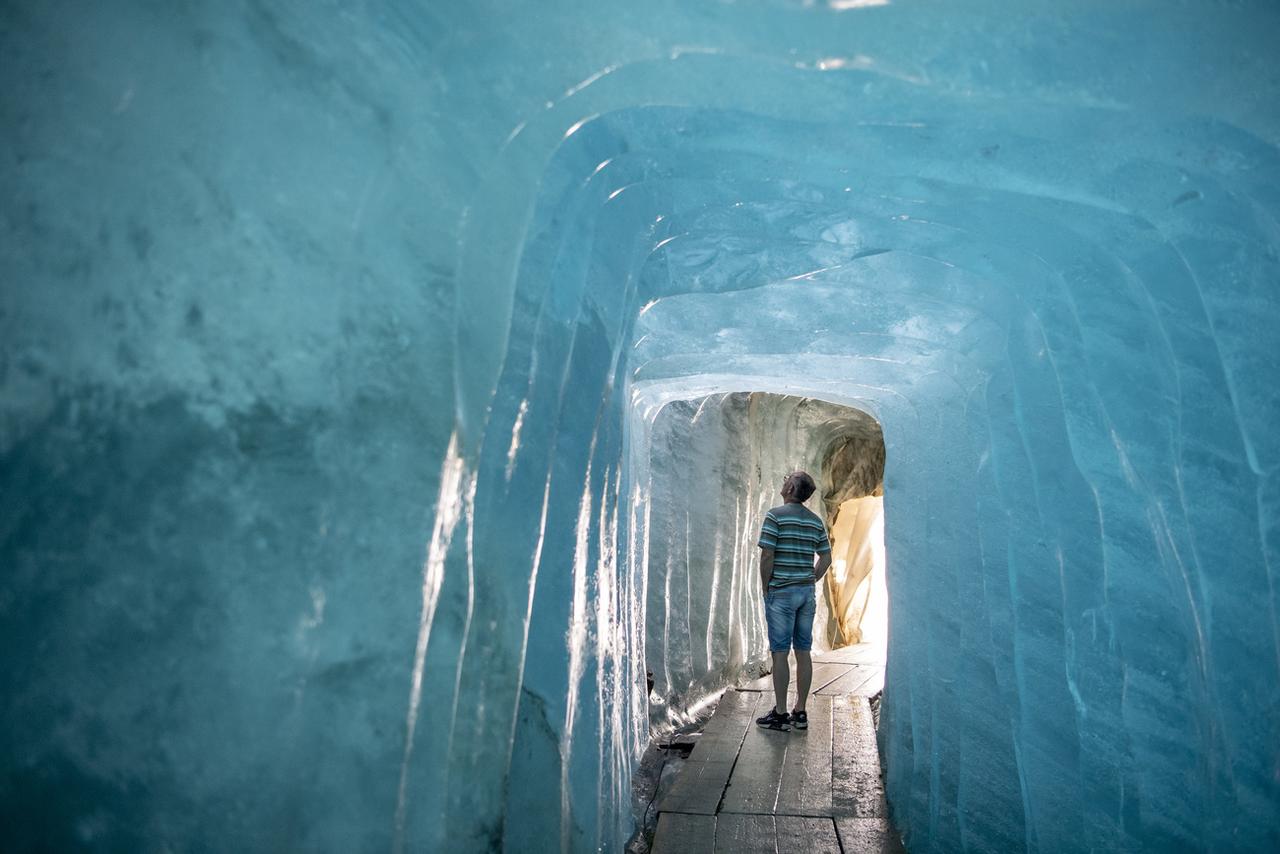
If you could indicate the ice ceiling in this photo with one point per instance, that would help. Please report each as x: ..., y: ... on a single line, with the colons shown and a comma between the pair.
x: 331, y: 335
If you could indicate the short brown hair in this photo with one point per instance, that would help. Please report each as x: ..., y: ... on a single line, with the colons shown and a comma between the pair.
x: 804, y: 485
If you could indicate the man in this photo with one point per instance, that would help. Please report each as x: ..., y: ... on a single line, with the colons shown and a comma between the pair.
x: 789, y: 539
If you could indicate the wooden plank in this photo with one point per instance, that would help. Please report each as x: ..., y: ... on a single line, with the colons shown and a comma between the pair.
x: 764, y: 683
x: 868, y: 836
x: 726, y: 727
x: 805, y: 788
x: 826, y: 672
x: 698, y: 787
x: 682, y: 834
x: 861, y: 653
x: 856, y: 790
x: 852, y: 682
x: 729, y: 703
x: 872, y: 686
x: 745, y: 834
x: 753, y: 788
x: 857, y: 793
x: 804, y: 834
x: 701, y: 782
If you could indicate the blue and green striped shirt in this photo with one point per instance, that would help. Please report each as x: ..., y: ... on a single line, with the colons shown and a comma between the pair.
x: 795, y: 534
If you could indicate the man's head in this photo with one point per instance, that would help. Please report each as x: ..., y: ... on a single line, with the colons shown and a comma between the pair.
x: 798, y: 486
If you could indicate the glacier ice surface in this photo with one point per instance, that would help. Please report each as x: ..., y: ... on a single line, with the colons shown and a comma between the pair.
x: 335, y: 339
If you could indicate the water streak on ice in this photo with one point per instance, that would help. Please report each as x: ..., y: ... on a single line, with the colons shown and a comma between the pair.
x: 515, y: 437
x: 577, y: 640
x: 449, y: 507
x: 846, y: 5
x: 575, y: 89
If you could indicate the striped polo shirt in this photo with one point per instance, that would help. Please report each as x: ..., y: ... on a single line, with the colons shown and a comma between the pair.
x: 795, y: 534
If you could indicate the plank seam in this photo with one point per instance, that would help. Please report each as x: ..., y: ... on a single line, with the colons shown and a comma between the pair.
x: 737, y: 754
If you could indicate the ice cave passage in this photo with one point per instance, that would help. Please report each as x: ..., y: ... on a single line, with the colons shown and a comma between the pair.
x: 350, y: 354
x: 712, y: 466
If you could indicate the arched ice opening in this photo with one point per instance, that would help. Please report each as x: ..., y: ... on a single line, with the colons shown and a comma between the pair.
x: 689, y: 257
x: 706, y: 471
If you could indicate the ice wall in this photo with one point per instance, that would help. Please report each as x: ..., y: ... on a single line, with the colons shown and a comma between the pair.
x: 323, y: 325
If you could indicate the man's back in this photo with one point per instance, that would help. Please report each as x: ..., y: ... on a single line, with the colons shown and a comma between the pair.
x: 795, y: 534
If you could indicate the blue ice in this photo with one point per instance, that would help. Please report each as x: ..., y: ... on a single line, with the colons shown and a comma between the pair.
x: 340, y: 345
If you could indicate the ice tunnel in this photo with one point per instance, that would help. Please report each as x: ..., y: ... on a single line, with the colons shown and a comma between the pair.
x: 349, y: 361
x: 712, y: 467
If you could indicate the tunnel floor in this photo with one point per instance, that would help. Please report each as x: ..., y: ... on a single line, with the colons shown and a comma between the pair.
x: 747, y: 789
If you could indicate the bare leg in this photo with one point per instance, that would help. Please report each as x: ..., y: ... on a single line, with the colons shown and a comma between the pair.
x: 804, y: 677
x: 781, y: 678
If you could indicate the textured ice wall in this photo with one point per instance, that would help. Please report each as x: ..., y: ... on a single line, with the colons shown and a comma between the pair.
x: 711, y: 468
x: 322, y: 324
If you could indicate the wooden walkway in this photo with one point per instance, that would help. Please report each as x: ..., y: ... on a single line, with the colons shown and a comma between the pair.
x: 749, y: 789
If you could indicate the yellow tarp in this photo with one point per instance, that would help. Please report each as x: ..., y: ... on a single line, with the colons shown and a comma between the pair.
x: 856, y: 596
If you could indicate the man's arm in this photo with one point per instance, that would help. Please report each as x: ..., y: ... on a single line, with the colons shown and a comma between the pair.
x: 766, y: 568
x: 824, y: 563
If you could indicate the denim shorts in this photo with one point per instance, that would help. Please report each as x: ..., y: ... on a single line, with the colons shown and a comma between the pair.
x: 789, y: 614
